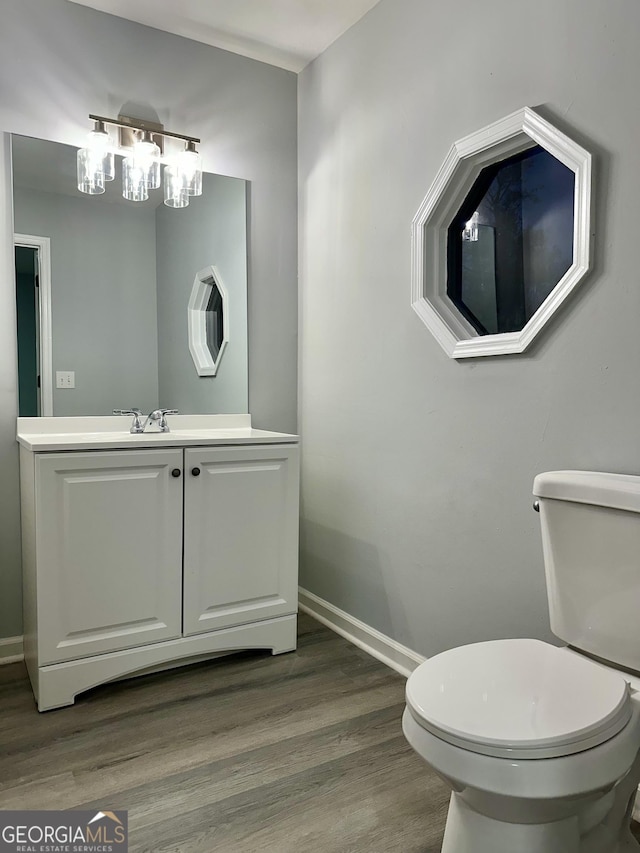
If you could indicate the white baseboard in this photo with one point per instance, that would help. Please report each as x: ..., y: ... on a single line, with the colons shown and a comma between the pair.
x: 378, y: 645
x: 11, y: 650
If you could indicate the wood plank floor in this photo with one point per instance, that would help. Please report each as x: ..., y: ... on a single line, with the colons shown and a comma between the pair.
x: 297, y: 753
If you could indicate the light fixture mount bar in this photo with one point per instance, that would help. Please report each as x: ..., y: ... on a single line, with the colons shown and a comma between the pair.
x: 129, y: 126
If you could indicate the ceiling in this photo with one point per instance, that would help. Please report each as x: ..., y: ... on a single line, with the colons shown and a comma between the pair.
x: 286, y: 33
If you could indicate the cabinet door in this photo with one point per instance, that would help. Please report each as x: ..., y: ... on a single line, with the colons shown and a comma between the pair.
x: 240, y: 536
x: 109, y: 549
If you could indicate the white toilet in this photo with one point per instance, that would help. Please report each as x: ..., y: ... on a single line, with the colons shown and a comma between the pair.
x: 541, y: 744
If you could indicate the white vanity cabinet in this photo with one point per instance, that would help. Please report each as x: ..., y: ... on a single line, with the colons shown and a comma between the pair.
x: 108, y: 528
x: 135, y: 558
x: 240, y: 536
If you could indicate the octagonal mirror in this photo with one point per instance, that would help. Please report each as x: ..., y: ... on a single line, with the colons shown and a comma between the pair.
x: 208, y: 321
x: 502, y: 237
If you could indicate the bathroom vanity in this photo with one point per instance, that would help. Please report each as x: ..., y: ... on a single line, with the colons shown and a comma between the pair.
x: 143, y: 551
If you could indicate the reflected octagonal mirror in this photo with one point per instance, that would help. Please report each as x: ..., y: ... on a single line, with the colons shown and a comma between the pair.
x: 208, y: 321
x: 502, y: 237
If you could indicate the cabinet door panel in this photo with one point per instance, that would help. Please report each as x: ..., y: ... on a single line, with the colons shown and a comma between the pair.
x: 109, y: 549
x: 241, y: 536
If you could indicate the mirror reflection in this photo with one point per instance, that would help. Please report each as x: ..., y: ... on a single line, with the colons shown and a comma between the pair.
x: 511, y: 242
x: 208, y: 321
x: 116, y: 289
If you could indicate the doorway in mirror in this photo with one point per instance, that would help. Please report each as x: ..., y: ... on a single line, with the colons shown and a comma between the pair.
x: 33, y: 320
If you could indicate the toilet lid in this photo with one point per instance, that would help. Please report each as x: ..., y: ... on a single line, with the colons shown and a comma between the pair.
x: 518, y: 699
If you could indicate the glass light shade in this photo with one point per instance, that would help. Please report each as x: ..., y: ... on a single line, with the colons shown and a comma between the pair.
x: 89, y: 171
x: 147, y: 157
x: 470, y: 231
x: 189, y: 163
x: 176, y: 192
x: 134, y: 185
x: 99, y: 142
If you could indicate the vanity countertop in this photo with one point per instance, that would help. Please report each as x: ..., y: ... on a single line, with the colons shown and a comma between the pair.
x: 112, y: 432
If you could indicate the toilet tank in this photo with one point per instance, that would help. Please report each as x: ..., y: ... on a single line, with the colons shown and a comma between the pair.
x: 591, y: 546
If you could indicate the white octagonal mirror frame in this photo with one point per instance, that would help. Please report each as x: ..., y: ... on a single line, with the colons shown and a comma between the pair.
x: 203, y: 359
x: 464, y: 162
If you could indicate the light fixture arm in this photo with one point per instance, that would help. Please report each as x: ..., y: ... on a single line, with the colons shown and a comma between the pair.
x: 138, y: 124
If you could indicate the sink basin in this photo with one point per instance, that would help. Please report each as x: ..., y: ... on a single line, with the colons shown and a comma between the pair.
x: 175, y: 436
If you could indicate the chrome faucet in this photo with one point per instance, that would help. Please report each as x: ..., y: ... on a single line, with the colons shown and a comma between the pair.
x: 159, y: 416
x: 136, y: 426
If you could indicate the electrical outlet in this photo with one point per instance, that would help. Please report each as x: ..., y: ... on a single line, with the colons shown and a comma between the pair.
x: 65, y: 379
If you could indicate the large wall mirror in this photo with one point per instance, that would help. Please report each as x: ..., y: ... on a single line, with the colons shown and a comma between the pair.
x: 111, y: 329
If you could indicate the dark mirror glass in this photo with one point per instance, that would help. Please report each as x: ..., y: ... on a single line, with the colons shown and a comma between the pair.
x: 214, y: 320
x: 511, y: 241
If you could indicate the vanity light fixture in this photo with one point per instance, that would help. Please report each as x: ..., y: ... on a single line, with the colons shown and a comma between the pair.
x: 143, y: 143
x: 470, y: 230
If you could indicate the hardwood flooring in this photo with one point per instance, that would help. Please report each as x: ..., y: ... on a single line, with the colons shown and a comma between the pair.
x: 297, y: 753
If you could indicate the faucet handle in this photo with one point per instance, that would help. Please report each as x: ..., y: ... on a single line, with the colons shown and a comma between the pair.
x: 159, y: 415
x: 162, y: 423
x: 136, y: 426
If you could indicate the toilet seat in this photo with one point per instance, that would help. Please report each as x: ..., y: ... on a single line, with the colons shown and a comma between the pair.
x: 518, y: 698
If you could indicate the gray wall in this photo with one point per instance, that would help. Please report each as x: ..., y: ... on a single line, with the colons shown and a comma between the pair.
x: 103, y: 309
x: 58, y: 63
x: 417, y: 469
x: 208, y: 232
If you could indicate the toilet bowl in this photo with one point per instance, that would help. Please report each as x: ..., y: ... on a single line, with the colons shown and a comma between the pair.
x: 540, y: 744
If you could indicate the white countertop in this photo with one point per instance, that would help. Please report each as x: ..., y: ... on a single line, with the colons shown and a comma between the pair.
x: 112, y: 432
